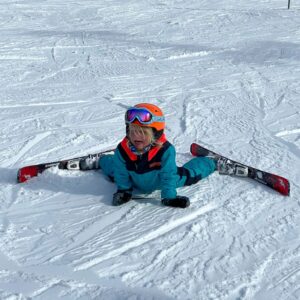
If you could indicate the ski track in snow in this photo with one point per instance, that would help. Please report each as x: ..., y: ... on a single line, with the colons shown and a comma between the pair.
x: 148, y: 237
x: 226, y: 76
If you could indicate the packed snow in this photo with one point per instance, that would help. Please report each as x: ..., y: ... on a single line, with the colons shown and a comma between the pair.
x: 227, y: 76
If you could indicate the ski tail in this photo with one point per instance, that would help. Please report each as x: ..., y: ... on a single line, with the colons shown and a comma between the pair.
x: 276, y: 182
x: 198, y: 151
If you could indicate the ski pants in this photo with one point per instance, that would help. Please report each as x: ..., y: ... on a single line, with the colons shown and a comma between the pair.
x: 190, y: 173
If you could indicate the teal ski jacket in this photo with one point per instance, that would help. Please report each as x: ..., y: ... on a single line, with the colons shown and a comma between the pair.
x: 153, y: 170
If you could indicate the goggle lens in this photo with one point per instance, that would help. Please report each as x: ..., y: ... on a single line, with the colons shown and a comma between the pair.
x: 142, y: 115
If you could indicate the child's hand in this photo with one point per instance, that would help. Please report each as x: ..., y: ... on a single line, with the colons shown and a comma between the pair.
x: 121, y: 197
x: 179, y: 201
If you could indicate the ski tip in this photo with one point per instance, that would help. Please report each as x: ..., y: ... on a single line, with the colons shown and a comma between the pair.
x: 282, y: 185
x: 26, y: 173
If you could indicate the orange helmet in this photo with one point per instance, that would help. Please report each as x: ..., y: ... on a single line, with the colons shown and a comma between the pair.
x: 146, y: 115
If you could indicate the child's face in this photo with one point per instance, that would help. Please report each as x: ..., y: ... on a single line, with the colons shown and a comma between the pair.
x: 139, y: 140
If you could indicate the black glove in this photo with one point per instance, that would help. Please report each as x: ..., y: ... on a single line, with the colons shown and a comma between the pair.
x: 121, y: 197
x: 179, y: 201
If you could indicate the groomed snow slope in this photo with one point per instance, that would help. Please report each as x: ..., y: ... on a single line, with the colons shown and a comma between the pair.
x: 226, y: 74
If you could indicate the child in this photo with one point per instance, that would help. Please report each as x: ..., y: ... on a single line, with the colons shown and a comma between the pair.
x: 145, y: 160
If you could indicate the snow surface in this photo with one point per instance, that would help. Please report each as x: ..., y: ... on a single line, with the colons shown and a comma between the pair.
x: 226, y: 74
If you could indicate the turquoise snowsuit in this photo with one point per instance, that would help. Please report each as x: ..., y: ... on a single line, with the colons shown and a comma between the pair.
x: 154, y: 170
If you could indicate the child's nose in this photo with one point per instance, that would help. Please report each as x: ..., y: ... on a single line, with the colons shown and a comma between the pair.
x: 138, y: 135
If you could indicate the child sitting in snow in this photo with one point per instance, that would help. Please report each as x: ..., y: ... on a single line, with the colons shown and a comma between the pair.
x: 145, y: 160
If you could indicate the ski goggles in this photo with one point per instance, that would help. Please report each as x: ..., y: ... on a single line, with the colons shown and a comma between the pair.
x: 143, y: 115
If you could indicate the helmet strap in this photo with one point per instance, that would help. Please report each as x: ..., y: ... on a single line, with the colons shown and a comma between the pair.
x: 157, y: 133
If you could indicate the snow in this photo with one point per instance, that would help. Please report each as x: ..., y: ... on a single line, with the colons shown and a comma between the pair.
x: 226, y: 74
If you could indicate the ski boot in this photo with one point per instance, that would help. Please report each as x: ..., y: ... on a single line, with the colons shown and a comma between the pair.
x: 227, y: 167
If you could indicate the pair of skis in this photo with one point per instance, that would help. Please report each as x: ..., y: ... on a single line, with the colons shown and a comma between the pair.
x: 277, y: 183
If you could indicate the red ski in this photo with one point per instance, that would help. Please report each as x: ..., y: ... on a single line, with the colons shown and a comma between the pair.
x: 28, y: 172
x: 275, y: 182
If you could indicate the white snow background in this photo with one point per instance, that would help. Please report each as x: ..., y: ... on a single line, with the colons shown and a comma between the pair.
x: 226, y: 74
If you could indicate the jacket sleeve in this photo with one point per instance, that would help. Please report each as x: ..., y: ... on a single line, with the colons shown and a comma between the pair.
x: 168, y: 174
x: 121, y: 176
